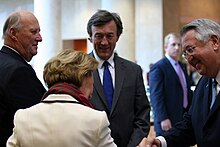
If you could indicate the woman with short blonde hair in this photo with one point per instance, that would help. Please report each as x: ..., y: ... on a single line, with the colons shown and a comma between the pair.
x: 65, y: 117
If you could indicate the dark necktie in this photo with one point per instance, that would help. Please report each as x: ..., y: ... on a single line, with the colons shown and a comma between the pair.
x: 180, y: 75
x: 107, y: 84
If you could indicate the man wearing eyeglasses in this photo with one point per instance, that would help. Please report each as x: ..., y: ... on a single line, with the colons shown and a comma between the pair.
x: 201, y: 124
x: 170, y: 91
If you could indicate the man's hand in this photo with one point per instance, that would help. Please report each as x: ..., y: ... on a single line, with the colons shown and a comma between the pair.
x: 149, y: 142
x: 166, y: 124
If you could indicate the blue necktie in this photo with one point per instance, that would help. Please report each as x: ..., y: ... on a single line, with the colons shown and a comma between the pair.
x: 107, y: 84
x: 214, y: 92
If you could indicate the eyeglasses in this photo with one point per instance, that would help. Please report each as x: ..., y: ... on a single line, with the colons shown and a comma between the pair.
x: 188, y: 52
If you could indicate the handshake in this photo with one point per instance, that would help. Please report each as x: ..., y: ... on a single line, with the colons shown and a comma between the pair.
x: 149, y: 142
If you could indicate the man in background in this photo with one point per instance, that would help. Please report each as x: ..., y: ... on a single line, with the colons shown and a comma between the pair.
x: 19, y: 86
x: 170, y: 91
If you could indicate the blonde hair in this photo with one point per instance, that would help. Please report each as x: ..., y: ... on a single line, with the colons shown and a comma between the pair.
x: 69, y: 66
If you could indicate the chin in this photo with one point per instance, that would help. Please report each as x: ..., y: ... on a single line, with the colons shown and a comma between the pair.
x: 34, y: 52
x: 105, y: 56
x: 202, y: 72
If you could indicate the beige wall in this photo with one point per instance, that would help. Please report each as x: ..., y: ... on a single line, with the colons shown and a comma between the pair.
x: 191, y: 9
x: 171, y: 15
x: 153, y: 19
x: 179, y: 12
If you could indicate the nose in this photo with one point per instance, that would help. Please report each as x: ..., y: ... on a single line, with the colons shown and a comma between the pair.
x: 39, y: 38
x: 188, y: 57
x: 177, y: 46
x: 104, y: 40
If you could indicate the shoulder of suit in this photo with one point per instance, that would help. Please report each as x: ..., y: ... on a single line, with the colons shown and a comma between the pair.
x: 125, y: 61
x: 204, y: 81
x: 161, y: 62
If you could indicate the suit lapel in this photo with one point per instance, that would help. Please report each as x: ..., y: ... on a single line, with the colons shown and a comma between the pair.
x: 170, y: 68
x: 119, y: 78
x: 215, y: 106
x: 98, y: 87
x: 206, y: 99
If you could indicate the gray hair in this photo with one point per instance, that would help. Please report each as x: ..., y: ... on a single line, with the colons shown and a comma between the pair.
x: 204, y: 29
x: 13, y: 21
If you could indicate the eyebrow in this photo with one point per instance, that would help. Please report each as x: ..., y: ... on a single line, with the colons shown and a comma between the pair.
x: 186, y: 47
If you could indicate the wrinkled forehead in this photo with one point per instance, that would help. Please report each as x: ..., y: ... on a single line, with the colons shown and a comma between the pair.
x: 188, y: 39
x: 29, y: 21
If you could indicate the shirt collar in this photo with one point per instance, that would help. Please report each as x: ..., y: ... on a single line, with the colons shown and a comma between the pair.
x: 217, y: 78
x: 12, y: 49
x: 110, y: 60
x: 172, y: 61
x: 15, y: 51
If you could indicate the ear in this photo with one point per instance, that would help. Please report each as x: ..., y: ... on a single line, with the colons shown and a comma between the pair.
x: 165, y: 47
x: 90, y: 39
x: 12, y: 34
x: 215, y: 42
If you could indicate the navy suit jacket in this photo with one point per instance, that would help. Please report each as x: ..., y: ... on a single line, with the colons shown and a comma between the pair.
x: 200, y: 125
x: 166, y: 93
x: 129, y: 117
x: 19, y: 88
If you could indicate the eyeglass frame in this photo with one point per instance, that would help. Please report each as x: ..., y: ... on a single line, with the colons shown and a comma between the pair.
x: 188, y: 52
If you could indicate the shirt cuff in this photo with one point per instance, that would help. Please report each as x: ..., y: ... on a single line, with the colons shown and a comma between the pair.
x: 162, y: 140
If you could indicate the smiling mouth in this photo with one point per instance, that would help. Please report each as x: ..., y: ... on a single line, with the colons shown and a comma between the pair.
x: 104, y: 48
x: 197, y: 64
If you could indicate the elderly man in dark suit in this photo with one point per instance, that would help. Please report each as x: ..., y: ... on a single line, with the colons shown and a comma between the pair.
x: 201, y: 124
x: 127, y: 105
x: 19, y: 85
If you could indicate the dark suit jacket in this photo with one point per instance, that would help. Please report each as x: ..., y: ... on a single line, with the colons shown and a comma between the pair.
x: 166, y: 93
x: 129, y: 117
x: 200, y: 125
x: 19, y: 88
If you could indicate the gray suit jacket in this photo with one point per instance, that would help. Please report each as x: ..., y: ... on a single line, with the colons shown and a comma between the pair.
x: 129, y: 117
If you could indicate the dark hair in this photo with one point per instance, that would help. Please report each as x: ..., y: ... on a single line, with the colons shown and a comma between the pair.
x: 102, y: 17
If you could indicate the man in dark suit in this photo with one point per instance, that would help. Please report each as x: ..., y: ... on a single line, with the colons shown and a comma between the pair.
x: 201, y: 124
x: 166, y: 89
x: 129, y: 110
x: 19, y: 85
